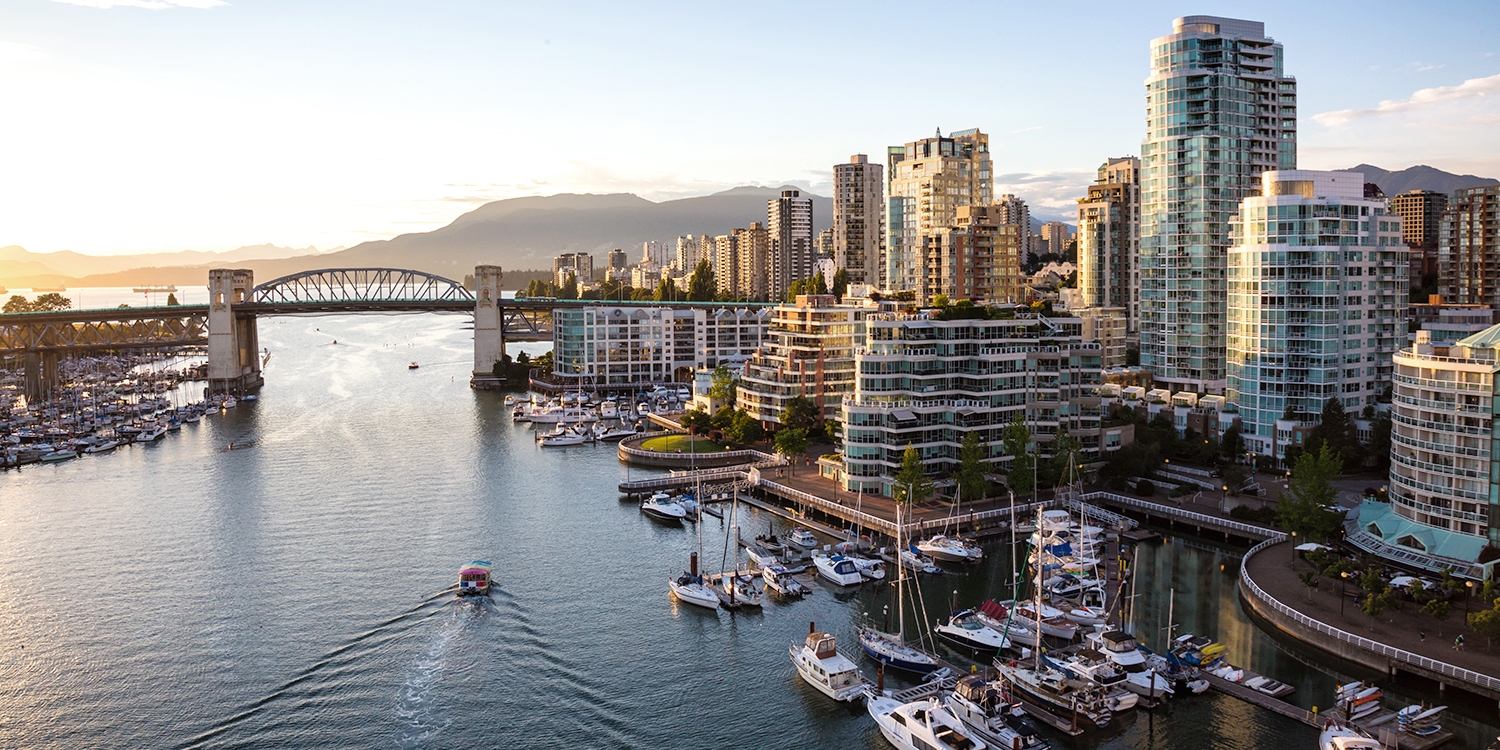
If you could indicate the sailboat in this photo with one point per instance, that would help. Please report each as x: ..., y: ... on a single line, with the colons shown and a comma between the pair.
x: 736, y: 590
x: 690, y: 587
x: 892, y: 649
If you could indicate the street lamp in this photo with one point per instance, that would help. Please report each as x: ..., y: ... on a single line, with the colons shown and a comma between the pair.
x: 1468, y: 589
x: 1224, y: 498
x: 1343, y: 576
x: 1294, y: 549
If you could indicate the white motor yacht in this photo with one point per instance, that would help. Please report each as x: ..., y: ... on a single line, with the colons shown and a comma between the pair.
x: 986, y: 709
x: 949, y: 549
x: 103, y: 447
x: 152, y: 434
x: 839, y: 569
x: 59, y: 455
x: 781, y: 580
x: 1049, y: 622
x: 735, y: 591
x: 230, y: 403
x: 661, y: 507
x: 760, y: 556
x: 872, y: 570
x: 921, y: 725
x: 1338, y: 736
x: 822, y: 666
x: 1121, y: 649
x: 608, y: 410
x: 964, y: 629
x: 802, y: 538
x: 1095, y: 668
x: 621, y: 432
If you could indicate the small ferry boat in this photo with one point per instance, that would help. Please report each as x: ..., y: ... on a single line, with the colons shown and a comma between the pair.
x: 822, y: 666
x: 474, y: 578
x: 412, y: 366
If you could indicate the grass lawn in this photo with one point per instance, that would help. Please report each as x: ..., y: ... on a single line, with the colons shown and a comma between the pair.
x: 683, y: 443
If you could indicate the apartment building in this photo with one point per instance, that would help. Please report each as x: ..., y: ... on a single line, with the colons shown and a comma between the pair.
x: 808, y: 351
x: 859, y: 219
x: 1109, y: 237
x: 615, y: 345
x: 976, y: 258
x: 927, y: 182
x: 1469, y: 247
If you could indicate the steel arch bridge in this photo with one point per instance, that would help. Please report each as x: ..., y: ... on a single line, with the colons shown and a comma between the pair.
x: 335, y: 286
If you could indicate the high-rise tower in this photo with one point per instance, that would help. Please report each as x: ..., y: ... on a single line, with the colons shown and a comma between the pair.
x: 789, y: 220
x: 1109, y: 236
x: 928, y: 180
x: 1219, y: 112
x: 859, y: 218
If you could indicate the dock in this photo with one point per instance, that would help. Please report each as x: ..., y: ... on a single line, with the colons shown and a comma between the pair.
x: 1382, y: 726
x: 1257, y: 698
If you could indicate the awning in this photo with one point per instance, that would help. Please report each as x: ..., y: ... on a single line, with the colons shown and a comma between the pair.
x: 904, y: 415
x: 1309, y: 547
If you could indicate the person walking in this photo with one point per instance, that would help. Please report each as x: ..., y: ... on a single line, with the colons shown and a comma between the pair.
x: 1421, y: 635
x: 1458, y: 643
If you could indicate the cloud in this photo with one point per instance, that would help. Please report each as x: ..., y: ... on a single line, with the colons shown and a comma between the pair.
x: 18, y: 52
x: 149, y: 4
x: 1422, y: 67
x: 1473, y: 88
x: 1025, y: 130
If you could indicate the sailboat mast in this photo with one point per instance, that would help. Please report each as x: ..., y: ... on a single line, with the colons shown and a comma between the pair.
x: 1037, y: 594
x: 900, y: 580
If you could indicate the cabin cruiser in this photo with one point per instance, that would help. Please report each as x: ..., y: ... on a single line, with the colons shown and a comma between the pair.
x: 839, y: 569
x: 1339, y: 736
x: 1095, y: 668
x: 661, y: 507
x: 1198, y: 650
x: 911, y: 559
x: 474, y: 578
x: 822, y: 666
x: 555, y: 414
x: 1049, y: 622
x: 950, y: 549
x: 985, y: 708
x: 103, y: 447
x: 761, y: 556
x: 921, y: 725
x: 1123, y: 651
x: 781, y: 580
x: 1051, y: 687
x: 872, y: 570
x: 803, y: 538
x: 608, y: 410
x: 1000, y: 620
x: 562, y: 437
x: 152, y: 434
x: 62, y: 454
x: 964, y: 629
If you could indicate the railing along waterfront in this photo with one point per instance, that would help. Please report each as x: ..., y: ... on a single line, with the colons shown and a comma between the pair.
x: 1407, y: 657
x: 1188, y: 516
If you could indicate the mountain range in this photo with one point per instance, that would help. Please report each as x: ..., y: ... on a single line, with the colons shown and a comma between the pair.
x: 516, y: 234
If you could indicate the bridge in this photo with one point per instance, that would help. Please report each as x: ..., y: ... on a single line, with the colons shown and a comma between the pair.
x: 227, y: 324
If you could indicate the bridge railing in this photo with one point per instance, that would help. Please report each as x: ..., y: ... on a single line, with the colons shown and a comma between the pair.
x: 1187, y: 516
x: 1391, y: 652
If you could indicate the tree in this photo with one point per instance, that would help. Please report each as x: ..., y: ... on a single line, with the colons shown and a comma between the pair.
x: 800, y: 413
x: 17, y: 304
x: 1376, y: 604
x: 1057, y: 469
x: 1380, y: 440
x: 840, y: 284
x: 697, y: 421
x: 745, y: 428
x: 701, y: 286
x: 791, y: 443
x: 1302, y: 507
x: 51, y: 301
x: 724, y: 384
x: 1487, y: 623
x: 972, y: 470
x: 912, y: 485
x: 523, y: 358
x: 798, y: 287
x: 1145, y: 488
x: 543, y: 362
x: 1309, y: 581
x: 1335, y: 429
x: 1017, y: 441
x: 1233, y: 443
x: 569, y: 288
x: 666, y: 291
x: 940, y: 300
x: 817, y: 285
x: 723, y: 419
x: 1437, y: 609
x: 172, y: 300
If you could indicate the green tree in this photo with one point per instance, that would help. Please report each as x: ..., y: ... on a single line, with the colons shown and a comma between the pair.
x: 1233, y: 443
x: 1057, y: 468
x: 1017, y: 441
x: 723, y: 386
x: 840, y: 284
x: 745, y: 428
x: 972, y: 471
x: 17, y: 304
x: 911, y: 482
x: 666, y: 291
x: 800, y: 413
x: 172, y: 300
x: 569, y: 288
x: 51, y: 301
x: 543, y: 362
x: 791, y: 443
x: 723, y: 419
x: 1380, y: 440
x: 798, y: 287
x: 697, y: 421
x: 523, y: 358
x: 1487, y: 623
x: 1376, y: 604
x: 818, y: 284
x: 1336, y: 430
x: 1301, y: 507
x: 1309, y: 581
x: 940, y: 300
x: 701, y: 286
x: 1437, y: 609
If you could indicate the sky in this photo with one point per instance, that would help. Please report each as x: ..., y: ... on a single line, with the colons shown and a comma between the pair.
x: 151, y: 125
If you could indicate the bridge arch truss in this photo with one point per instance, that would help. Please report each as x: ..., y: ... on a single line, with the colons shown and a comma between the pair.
x: 346, y: 286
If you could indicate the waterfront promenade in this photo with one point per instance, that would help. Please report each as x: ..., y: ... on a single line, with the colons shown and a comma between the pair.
x: 1274, y: 572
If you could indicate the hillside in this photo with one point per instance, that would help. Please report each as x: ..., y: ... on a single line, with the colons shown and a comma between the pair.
x: 1420, y: 177
x: 19, y: 267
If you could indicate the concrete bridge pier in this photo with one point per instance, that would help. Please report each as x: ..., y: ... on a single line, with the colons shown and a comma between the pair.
x: 43, y: 378
x: 233, y: 346
x: 489, y: 327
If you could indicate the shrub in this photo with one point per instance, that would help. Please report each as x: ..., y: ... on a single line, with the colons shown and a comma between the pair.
x: 1266, y: 516
x: 1145, y: 488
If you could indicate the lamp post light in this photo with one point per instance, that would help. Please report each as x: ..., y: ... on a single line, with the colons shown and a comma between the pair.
x: 1223, y: 498
x: 1468, y: 589
x: 1294, y: 549
x: 1343, y: 576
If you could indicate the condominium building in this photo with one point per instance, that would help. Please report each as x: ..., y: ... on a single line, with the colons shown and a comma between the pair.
x: 689, y: 252
x: 618, y: 345
x: 618, y: 262
x: 925, y: 382
x: 1109, y: 236
x: 790, y: 255
x: 1443, y: 508
x: 581, y: 265
x: 1219, y: 112
x: 927, y: 182
x: 1109, y: 327
x: 976, y: 258
x: 1013, y: 210
x: 721, y: 251
x: 823, y: 245
x: 808, y: 351
x: 754, y: 262
x: 859, y: 218
x: 1421, y: 213
x: 1054, y: 238
x: 1317, y: 301
x: 1469, y: 247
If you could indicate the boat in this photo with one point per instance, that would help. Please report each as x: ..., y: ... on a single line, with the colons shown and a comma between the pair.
x: 474, y: 578
x: 984, y: 706
x: 964, y: 629
x: 229, y: 403
x: 921, y: 725
x: 412, y: 366
x: 1096, y: 669
x: 1123, y: 651
x: 999, y: 619
x: 760, y: 556
x: 690, y: 588
x: 838, y: 569
x: 771, y: 543
x: 661, y: 507
x: 891, y: 649
x: 1055, y: 690
x: 949, y: 549
x: 1340, y: 736
x: 620, y: 432
x: 152, y: 434
x: 565, y: 438
x: 154, y: 289
x: 251, y: 398
x: 1199, y: 651
x: 872, y: 570
x: 736, y: 589
x: 1049, y: 622
x: 822, y: 666
x: 103, y: 447
x: 780, y: 580
x: 519, y: 414
x: 608, y: 410
x: 803, y: 538
x: 912, y: 559
x: 59, y: 455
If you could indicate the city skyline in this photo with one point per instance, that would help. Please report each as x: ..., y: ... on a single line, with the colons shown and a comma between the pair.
x: 208, y: 125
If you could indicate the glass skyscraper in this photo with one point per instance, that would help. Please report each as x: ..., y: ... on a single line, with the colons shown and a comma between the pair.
x: 1219, y: 112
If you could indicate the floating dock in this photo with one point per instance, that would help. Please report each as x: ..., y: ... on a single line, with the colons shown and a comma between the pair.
x: 1382, y: 726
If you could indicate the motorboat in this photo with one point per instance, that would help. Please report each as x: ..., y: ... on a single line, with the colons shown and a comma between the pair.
x: 802, y: 538
x: 1340, y: 736
x: 893, y: 651
x: 1199, y: 651
x: 1123, y: 651
x: 999, y: 619
x: 964, y: 629
x: 474, y: 578
x: 735, y: 591
x: 59, y: 455
x: 519, y: 414
x: 412, y: 366
x: 822, y: 666
x: 911, y: 559
x: 985, y: 707
x: 608, y: 410
x: 555, y: 414
x: 1049, y: 622
x: 771, y: 543
x: 152, y: 434
x: 1051, y: 687
x: 230, y: 403
x: 950, y: 549
x: 619, y: 432
x: 690, y: 588
x: 1096, y: 669
x: 872, y: 570
x: 760, y: 556
x: 921, y: 725
x: 780, y: 580
x: 661, y: 507
x: 103, y: 447
x: 564, y: 439
x: 838, y: 569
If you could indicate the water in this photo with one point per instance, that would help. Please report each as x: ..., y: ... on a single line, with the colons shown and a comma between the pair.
x: 296, y: 591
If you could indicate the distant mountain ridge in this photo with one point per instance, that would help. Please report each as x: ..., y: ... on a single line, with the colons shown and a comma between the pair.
x: 1420, y: 177
x: 17, y: 262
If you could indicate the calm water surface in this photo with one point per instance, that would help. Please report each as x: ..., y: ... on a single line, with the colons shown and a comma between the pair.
x: 295, y: 591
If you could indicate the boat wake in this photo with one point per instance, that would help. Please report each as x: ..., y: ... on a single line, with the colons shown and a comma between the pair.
x: 422, y: 718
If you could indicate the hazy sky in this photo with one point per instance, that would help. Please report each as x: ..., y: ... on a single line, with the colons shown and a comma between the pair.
x: 133, y: 125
